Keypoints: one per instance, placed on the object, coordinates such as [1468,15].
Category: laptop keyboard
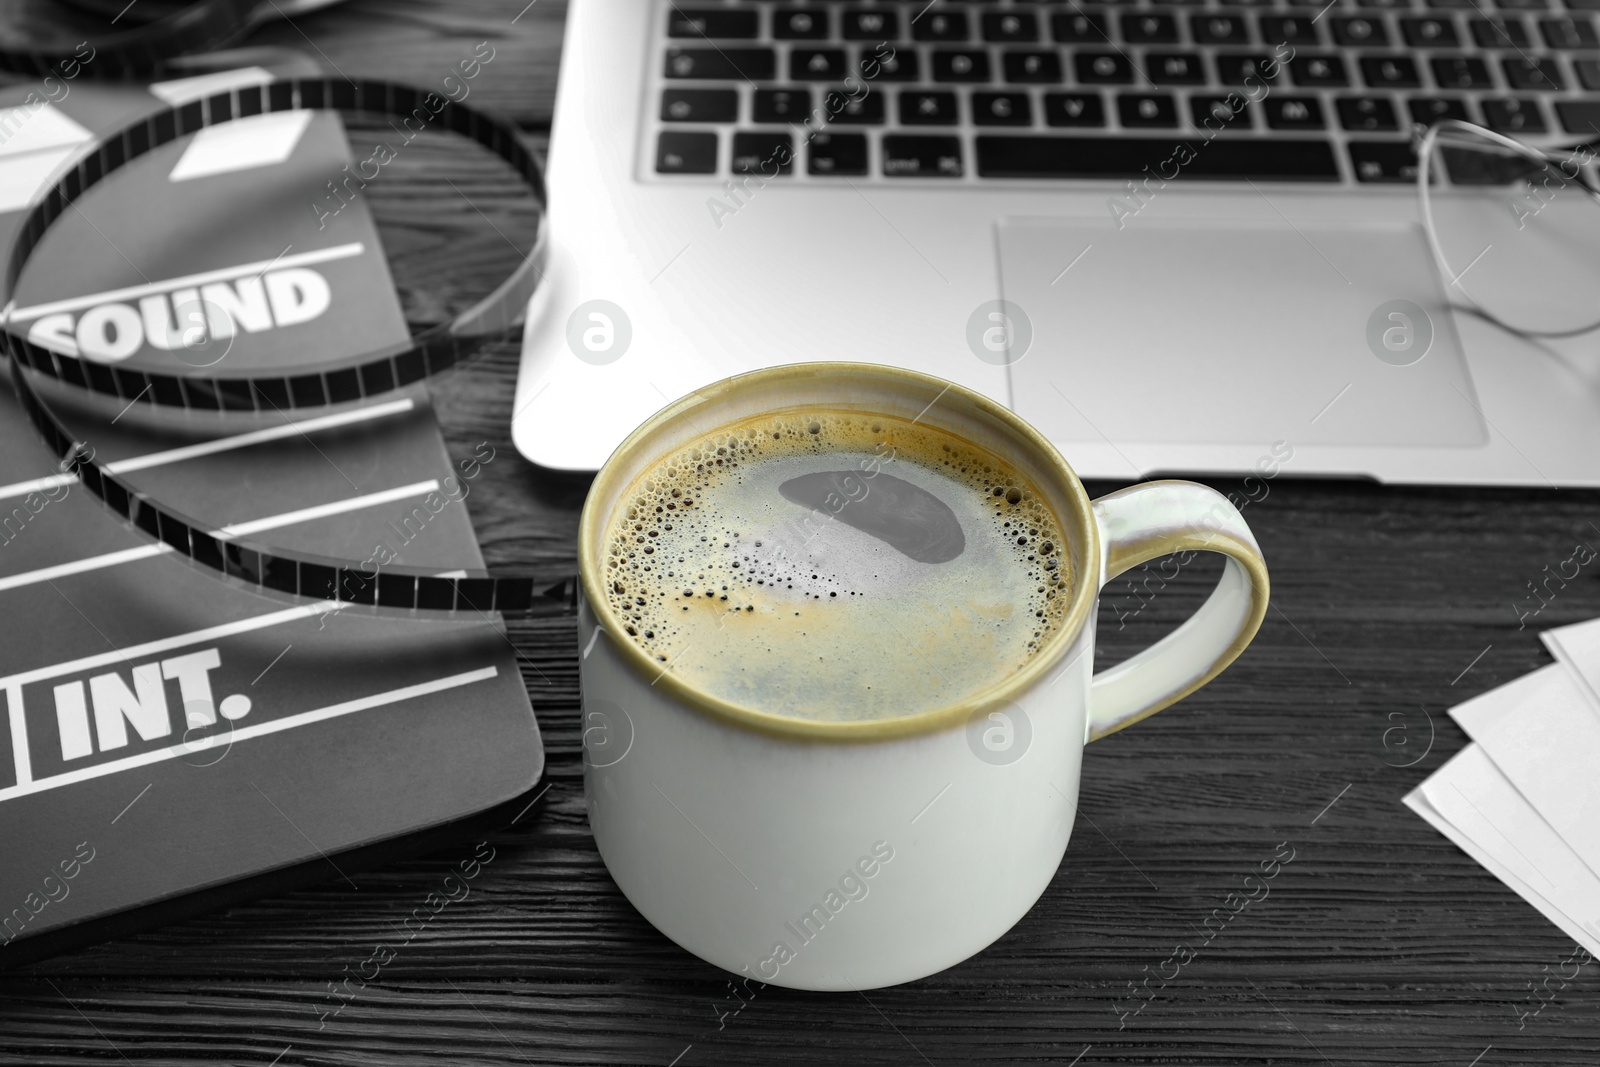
[1260,90]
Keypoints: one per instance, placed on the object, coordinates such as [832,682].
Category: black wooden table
[1380,943]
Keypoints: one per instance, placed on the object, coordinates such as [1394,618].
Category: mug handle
[1153,519]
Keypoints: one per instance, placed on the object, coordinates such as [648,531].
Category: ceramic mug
[848,855]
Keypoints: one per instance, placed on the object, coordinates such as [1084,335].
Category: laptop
[1177,237]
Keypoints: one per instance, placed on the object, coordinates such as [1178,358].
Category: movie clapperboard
[172,740]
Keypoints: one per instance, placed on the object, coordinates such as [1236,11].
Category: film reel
[354,379]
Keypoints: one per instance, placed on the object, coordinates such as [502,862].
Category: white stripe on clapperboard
[225,533]
[12,685]
[221,444]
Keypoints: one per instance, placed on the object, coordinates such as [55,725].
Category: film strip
[264,569]
[358,377]
[141,51]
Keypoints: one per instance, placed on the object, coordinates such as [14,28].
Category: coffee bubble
[832,565]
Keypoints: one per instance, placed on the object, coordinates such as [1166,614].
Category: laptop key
[1010,27]
[951,26]
[1367,32]
[1237,69]
[721,23]
[1383,161]
[1319,72]
[1174,68]
[1032,68]
[850,110]
[1277,29]
[1569,33]
[902,66]
[1461,72]
[961,65]
[722,64]
[766,154]
[1219,29]
[1588,72]
[1002,109]
[681,152]
[1522,5]
[1500,33]
[1149,29]
[800,24]
[1579,116]
[1147,110]
[1513,115]
[817,64]
[1103,68]
[1079,29]
[923,107]
[699,105]
[1438,32]
[781,105]
[1390,72]
[874,25]
[1231,112]
[1366,113]
[1535,72]
[1430,109]
[907,155]
[1074,109]
[1293,112]
[1060,156]
[842,154]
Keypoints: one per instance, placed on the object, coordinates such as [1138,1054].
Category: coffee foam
[758,565]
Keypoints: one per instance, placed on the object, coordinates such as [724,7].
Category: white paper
[1542,734]
[1577,647]
[1588,938]
[1475,716]
[1472,794]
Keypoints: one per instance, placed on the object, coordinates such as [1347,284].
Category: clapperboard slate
[171,740]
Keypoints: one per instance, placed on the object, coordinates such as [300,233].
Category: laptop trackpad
[1234,333]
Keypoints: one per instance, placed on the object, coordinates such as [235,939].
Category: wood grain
[1379,944]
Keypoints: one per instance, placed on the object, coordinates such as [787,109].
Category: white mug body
[819,864]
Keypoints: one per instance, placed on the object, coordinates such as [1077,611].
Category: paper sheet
[1523,800]
[1577,647]
[1545,738]
[1418,803]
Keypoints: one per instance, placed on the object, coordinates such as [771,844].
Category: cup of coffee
[837,644]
